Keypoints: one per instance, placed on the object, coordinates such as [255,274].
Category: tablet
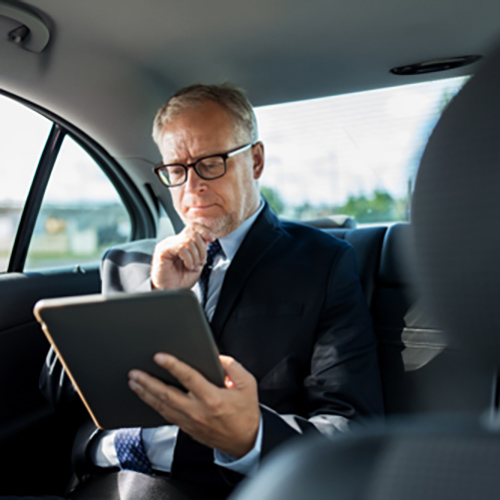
[99,339]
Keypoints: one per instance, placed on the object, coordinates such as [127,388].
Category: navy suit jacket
[291,310]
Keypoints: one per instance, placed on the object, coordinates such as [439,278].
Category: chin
[219,226]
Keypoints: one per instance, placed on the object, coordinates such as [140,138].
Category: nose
[194,182]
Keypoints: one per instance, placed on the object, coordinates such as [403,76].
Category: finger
[170,247]
[205,233]
[197,250]
[187,259]
[163,249]
[193,251]
[170,414]
[153,385]
[162,397]
[237,375]
[190,378]
[201,247]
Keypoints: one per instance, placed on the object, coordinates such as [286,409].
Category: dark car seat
[456,208]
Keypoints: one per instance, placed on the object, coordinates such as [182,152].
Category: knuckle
[165,249]
[185,378]
[192,246]
[156,404]
[182,376]
[164,399]
[214,404]
[160,407]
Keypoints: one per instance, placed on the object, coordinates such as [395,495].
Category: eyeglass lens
[207,168]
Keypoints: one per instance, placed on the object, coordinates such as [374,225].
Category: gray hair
[231,98]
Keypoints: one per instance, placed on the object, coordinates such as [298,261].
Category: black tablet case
[99,339]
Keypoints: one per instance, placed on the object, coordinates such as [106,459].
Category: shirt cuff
[159,443]
[248,464]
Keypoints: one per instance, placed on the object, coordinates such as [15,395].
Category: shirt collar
[232,241]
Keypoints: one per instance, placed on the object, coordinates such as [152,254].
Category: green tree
[273,198]
[380,207]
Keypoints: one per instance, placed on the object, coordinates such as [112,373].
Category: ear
[258,159]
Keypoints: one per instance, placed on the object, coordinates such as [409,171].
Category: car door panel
[29,426]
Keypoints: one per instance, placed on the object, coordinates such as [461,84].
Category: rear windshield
[355,154]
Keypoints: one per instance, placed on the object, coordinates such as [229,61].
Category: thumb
[236,376]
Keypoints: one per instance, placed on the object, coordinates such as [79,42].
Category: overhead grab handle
[33,33]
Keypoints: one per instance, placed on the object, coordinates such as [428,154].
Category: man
[284,303]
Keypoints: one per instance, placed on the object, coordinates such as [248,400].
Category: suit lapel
[262,236]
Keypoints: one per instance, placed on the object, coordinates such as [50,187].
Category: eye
[211,163]
[175,171]
[211,167]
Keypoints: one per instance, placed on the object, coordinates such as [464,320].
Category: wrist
[242,448]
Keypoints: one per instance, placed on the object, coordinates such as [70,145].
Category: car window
[23,134]
[81,213]
[355,154]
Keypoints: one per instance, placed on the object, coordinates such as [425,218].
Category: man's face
[222,204]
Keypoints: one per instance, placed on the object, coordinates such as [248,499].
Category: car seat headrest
[455,212]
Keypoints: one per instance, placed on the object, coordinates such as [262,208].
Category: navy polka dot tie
[213,249]
[130,450]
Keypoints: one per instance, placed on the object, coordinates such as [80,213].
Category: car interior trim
[34,199]
[33,34]
[435,65]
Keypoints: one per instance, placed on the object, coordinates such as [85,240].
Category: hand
[224,418]
[178,260]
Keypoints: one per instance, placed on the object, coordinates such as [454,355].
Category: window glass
[81,214]
[23,134]
[355,154]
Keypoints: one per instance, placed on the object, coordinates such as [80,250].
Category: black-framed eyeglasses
[208,168]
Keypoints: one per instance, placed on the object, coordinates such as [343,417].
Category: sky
[319,151]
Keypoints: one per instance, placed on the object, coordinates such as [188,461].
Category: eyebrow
[179,162]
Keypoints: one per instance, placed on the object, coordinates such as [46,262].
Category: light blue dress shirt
[159,442]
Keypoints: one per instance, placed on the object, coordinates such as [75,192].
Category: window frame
[143,223]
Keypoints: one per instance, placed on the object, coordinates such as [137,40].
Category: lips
[201,209]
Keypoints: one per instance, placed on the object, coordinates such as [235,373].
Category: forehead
[196,131]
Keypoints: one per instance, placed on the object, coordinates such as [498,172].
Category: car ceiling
[110,64]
